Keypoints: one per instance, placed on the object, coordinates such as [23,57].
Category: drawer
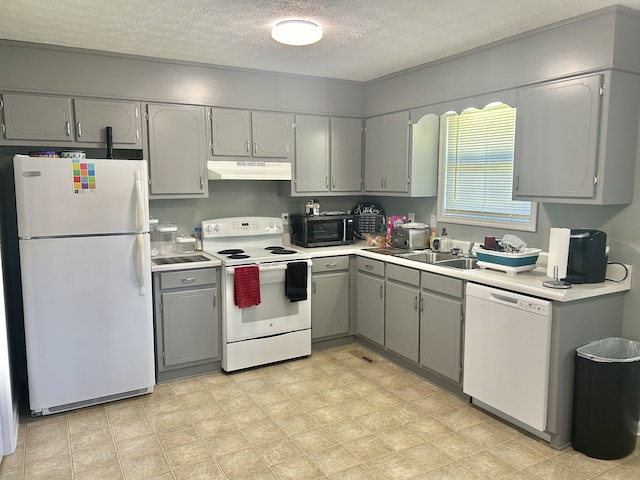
[374,267]
[330,264]
[439,283]
[403,274]
[187,278]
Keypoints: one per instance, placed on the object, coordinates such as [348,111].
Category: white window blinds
[477,169]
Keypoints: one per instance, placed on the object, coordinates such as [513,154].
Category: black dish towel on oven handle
[295,281]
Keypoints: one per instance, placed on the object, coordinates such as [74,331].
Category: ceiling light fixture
[297,32]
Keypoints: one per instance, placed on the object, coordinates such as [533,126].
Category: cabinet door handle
[421,304]
[79,129]
[314,287]
[137,133]
[517,182]
[248,142]
[382,182]
[255,146]
[333,182]
[381,292]
[188,279]
[326,182]
[215,299]
[415,303]
[67,127]
[201,182]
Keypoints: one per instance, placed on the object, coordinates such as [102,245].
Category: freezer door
[53,198]
[88,317]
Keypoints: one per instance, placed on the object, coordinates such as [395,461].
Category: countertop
[529,283]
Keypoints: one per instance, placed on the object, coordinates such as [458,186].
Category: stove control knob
[217,227]
[278,225]
[270,224]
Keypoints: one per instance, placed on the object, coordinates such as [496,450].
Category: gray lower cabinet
[186,317]
[441,309]
[177,150]
[402,317]
[330,297]
[370,286]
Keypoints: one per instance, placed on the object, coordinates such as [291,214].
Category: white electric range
[277,328]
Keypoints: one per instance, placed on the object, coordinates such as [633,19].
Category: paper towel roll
[558,251]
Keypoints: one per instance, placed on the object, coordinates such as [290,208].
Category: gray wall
[606,39]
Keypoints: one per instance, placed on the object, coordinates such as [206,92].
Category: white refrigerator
[83,233]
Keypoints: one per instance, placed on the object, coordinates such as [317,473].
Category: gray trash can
[606,398]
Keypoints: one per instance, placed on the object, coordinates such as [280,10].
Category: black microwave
[321,230]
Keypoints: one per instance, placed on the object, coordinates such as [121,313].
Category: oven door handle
[266,268]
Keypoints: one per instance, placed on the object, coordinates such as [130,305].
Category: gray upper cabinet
[401,154]
[51,120]
[36,118]
[231,132]
[386,161]
[177,151]
[242,133]
[311,153]
[93,116]
[328,155]
[576,140]
[270,131]
[346,155]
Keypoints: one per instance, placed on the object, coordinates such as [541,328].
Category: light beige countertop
[529,283]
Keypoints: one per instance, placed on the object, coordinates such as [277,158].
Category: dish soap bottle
[432,238]
[445,246]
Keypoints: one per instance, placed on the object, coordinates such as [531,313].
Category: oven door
[275,314]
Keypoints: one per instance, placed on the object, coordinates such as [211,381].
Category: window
[476,170]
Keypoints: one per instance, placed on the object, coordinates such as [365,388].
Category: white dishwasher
[507,341]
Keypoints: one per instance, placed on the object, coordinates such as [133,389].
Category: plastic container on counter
[154,237]
[186,243]
[167,233]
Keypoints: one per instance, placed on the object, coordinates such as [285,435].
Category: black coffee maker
[587,261]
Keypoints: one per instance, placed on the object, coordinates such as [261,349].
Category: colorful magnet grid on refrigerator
[84,176]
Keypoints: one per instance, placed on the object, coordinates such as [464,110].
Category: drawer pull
[331,265]
[188,279]
[369,267]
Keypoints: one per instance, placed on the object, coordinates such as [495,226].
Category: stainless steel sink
[464,263]
[427,256]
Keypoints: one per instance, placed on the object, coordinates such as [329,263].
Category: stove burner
[237,256]
[274,248]
[282,251]
[231,251]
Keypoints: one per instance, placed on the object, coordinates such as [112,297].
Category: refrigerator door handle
[138,265]
[139,199]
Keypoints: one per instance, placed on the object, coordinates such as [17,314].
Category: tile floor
[330,416]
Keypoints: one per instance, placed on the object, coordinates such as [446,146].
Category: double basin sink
[443,259]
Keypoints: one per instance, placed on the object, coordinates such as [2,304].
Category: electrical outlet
[411,217]
[285,219]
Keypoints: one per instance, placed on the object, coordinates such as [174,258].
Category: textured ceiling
[363,39]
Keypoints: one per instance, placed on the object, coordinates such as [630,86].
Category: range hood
[248,170]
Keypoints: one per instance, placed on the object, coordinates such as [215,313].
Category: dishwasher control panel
[533,306]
